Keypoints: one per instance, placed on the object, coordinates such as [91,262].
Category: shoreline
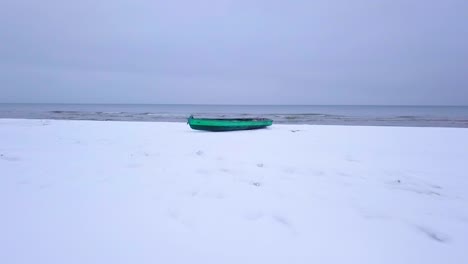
[464,124]
[402,116]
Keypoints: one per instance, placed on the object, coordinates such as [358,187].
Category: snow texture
[129,192]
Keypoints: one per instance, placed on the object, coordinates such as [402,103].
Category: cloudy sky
[234,52]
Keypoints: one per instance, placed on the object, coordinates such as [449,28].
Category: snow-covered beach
[130,192]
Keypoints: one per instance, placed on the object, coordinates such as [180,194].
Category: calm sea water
[434,116]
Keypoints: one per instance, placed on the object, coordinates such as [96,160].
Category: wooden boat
[209,124]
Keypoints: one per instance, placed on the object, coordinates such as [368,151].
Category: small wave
[63,112]
[408,117]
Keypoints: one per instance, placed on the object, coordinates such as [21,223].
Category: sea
[355,115]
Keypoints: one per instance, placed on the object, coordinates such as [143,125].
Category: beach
[157,192]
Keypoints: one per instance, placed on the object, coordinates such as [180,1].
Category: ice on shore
[129,192]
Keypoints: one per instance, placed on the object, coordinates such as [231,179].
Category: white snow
[129,192]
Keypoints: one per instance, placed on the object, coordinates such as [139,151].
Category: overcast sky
[234,52]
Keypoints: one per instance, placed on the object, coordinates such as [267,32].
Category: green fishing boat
[209,124]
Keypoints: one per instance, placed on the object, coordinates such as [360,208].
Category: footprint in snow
[173,214]
[411,187]
[432,234]
[281,220]
[435,186]
[8,158]
[256,184]
[260,165]
[199,153]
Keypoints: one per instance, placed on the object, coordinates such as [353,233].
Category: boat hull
[219,125]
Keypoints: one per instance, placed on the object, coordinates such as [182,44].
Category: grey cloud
[239,52]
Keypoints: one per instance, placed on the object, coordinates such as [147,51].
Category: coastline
[316,120]
[401,116]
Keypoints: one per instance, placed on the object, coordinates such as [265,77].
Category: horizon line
[198,104]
